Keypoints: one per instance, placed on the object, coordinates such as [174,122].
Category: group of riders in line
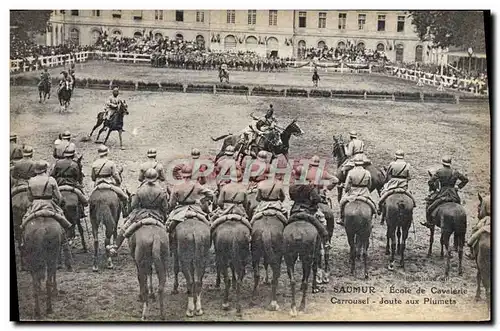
[67,80]
[170,204]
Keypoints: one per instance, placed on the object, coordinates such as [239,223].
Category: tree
[461,29]
[28,22]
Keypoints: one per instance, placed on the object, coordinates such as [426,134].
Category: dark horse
[301,239]
[234,140]
[482,252]
[224,74]
[115,123]
[378,175]
[399,215]
[358,227]
[452,219]
[44,89]
[64,95]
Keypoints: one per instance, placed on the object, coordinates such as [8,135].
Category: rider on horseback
[112,104]
[66,81]
[151,163]
[67,173]
[259,127]
[61,145]
[45,79]
[16,152]
[357,185]
[442,188]
[150,201]
[397,178]
[354,147]
[24,169]
[105,176]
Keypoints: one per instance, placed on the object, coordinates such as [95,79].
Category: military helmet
[152,152]
[70,150]
[66,135]
[315,161]
[150,175]
[102,150]
[262,155]
[359,159]
[13,137]
[399,154]
[27,151]
[446,161]
[353,134]
[195,153]
[41,167]
[229,150]
[186,171]
[297,172]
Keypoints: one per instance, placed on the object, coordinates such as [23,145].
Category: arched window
[399,52]
[380,47]
[94,36]
[341,45]
[361,46]
[229,42]
[301,51]
[75,36]
[419,53]
[138,35]
[272,46]
[179,37]
[200,40]
[321,44]
[158,36]
[251,42]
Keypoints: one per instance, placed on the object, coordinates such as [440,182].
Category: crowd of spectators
[350,54]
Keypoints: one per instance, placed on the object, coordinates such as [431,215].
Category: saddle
[19,189]
[183,212]
[231,217]
[77,191]
[46,213]
[363,199]
[145,221]
[393,191]
[270,208]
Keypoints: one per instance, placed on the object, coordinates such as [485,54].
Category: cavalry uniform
[45,197]
[61,145]
[23,170]
[45,77]
[356,186]
[270,196]
[259,127]
[195,156]
[253,167]
[397,177]
[354,147]
[150,202]
[225,167]
[443,184]
[113,103]
[152,163]
[68,175]
[66,81]
[105,176]
[16,152]
[186,200]
[305,199]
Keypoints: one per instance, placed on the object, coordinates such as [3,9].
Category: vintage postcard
[250,165]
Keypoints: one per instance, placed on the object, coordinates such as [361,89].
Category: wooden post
[215,88]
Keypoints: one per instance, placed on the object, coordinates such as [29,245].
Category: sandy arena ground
[174,123]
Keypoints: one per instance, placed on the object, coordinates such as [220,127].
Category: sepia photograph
[250,165]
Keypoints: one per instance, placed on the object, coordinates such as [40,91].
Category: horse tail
[267,242]
[221,137]
[156,255]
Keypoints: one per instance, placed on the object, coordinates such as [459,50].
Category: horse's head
[294,129]
[338,147]
[123,107]
[484,207]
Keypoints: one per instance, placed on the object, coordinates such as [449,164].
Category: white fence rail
[32,64]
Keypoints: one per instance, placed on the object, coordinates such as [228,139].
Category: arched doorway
[251,42]
[272,46]
[419,53]
[74,35]
[399,52]
[341,45]
[94,36]
[229,42]
[179,37]
[321,44]
[158,36]
[380,47]
[200,40]
[301,50]
[138,35]
[361,46]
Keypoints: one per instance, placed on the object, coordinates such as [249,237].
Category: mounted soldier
[61,145]
[224,167]
[150,201]
[442,188]
[260,127]
[112,104]
[71,72]
[45,81]
[186,199]
[67,172]
[193,163]
[397,178]
[105,175]
[152,163]
[16,151]
[65,82]
[353,148]
[24,169]
[357,185]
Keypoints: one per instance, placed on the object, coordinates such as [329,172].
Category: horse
[149,247]
[301,239]
[64,95]
[224,74]
[482,254]
[377,174]
[358,227]
[191,245]
[399,216]
[43,238]
[19,204]
[115,123]
[267,242]
[44,89]
[234,140]
[323,274]
[231,242]
[104,207]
